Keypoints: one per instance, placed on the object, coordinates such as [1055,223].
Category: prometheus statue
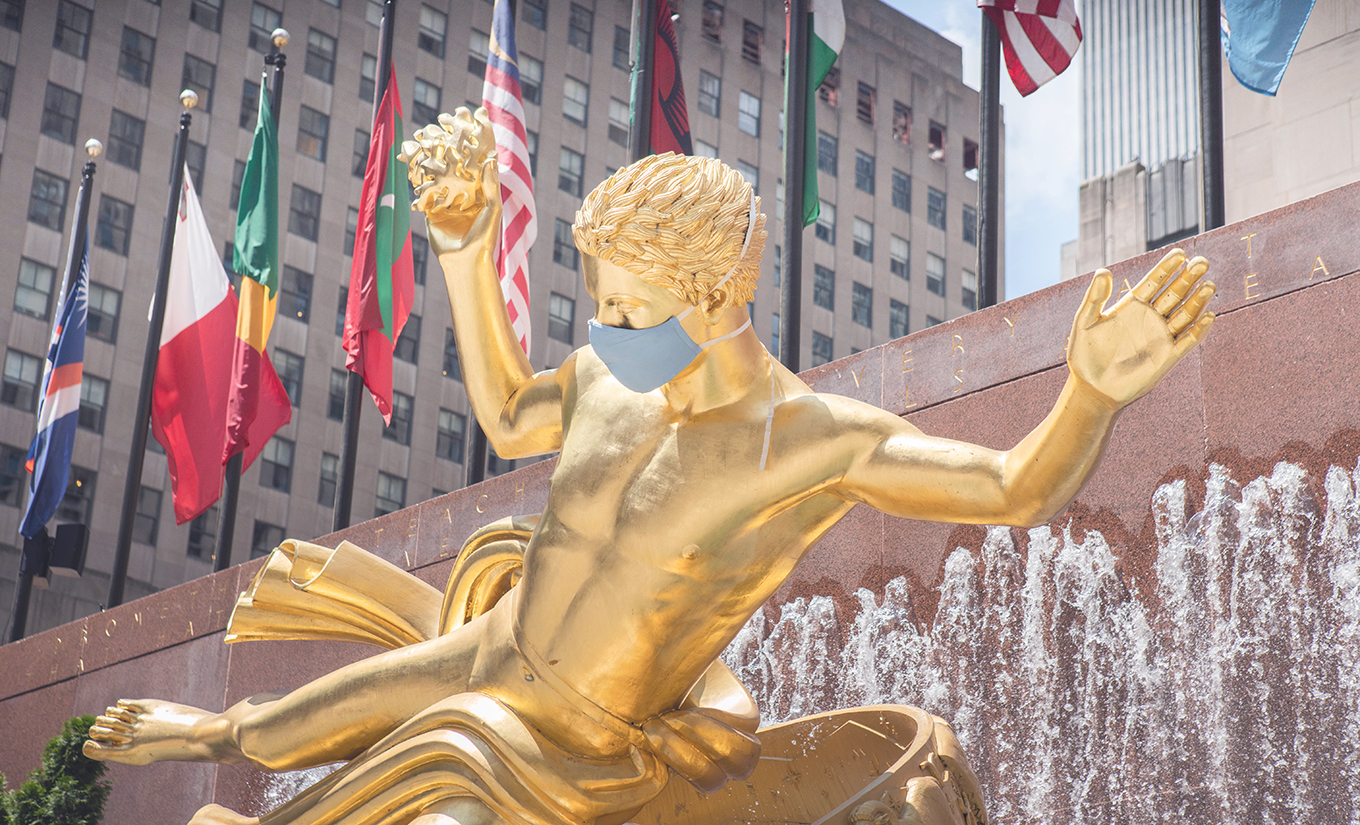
[572,664]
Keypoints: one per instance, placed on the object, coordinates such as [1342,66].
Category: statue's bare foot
[142,731]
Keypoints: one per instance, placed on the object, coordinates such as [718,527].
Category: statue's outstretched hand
[452,165]
[1122,353]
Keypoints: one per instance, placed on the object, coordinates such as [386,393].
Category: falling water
[1229,693]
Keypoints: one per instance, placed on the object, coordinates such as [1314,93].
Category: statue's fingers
[1187,312]
[1194,335]
[1096,296]
[113,723]
[1181,286]
[103,733]
[1153,282]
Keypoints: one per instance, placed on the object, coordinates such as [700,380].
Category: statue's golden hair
[677,222]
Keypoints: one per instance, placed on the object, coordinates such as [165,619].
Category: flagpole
[989,167]
[142,420]
[1211,113]
[354,385]
[30,562]
[795,167]
[231,486]
[645,35]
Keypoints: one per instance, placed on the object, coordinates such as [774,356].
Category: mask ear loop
[745,245]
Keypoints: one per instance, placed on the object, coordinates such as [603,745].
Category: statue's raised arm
[453,169]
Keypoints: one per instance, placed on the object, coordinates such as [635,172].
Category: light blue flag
[1259,37]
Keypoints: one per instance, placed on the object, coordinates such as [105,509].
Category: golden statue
[572,663]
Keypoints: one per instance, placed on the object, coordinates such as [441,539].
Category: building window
[901,122]
[425,102]
[970,284]
[825,230]
[970,225]
[823,287]
[13,476]
[289,366]
[622,60]
[864,102]
[830,90]
[340,311]
[199,75]
[449,441]
[6,88]
[368,77]
[479,51]
[295,294]
[73,29]
[335,398]
[47,200]
[33,294]
[899,325]
[276,464]
[536,13]
[751,37]
[407,347]
[203,533]
[451,366]
[564,246]
[618,121]
[899,257]
[579,26]
[420,255]
[703,149]
[61,111]
[935,274]
[575,99]
[264,537]
[864,172]
[102,320]
[821,349]
[196,157]
[250,104]
[778,264]
[314,129]
[935,207]
[531,78]
[931,321]
[136,56]
[495,465]
[146,523]
[434,25]
[901,190]
[358,162]
[774,335]
[330,477]
[935,146]
[238,175]
[351,229]
[827,153]
[970,159]
[19,386]
[94,400]
[532,146]
[862,305]
[75,504]
[206,13]
[570,170]
[263,21]
[712,20]
[710,93]
[114,224]
[561,318]
[399,430]
[750,174]
[864,240]
[304,210]
[320,62]
[391,494]
[124,146]
[748,113]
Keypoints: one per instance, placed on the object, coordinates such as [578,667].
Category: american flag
[1038,37]
[504,104]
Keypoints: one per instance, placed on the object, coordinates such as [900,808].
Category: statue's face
[622,299]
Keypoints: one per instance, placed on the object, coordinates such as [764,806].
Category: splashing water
[1230,693]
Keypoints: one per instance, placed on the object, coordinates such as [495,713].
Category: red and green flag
[382,279]
[824,44]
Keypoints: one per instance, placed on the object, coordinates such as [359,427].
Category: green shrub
[67,789]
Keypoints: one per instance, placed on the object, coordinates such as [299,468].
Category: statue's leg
[328,720]
[460,811]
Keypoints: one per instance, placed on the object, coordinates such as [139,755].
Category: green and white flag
[824,45]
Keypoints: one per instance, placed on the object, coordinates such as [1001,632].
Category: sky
[1043,149]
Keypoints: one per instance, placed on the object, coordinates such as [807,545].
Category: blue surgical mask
[644,359]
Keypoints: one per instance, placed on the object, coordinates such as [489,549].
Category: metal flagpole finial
[94,147]
[188,98]
[280,38]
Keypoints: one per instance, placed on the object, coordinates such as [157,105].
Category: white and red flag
[504,102]
[1038,38]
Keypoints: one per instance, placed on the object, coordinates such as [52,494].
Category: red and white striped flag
[1038,37]
[504,102]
